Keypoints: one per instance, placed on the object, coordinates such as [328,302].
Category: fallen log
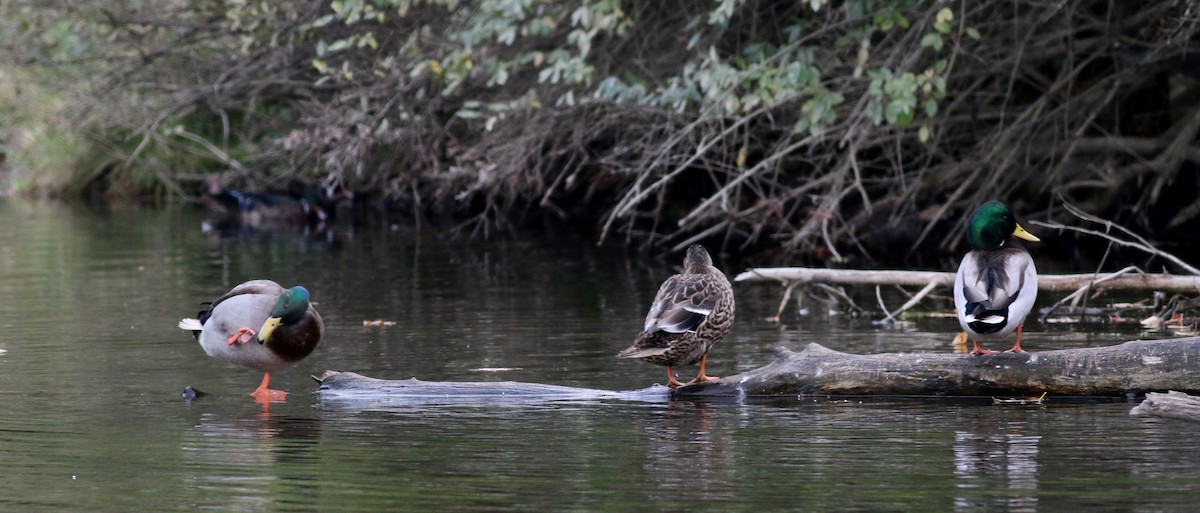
[357,391]
[1051,282]
[1173,404]
[1135,367]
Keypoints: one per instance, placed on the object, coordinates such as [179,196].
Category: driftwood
[1135,367]
[1173,404]
[1051,282]
[1130,368]
[358,391]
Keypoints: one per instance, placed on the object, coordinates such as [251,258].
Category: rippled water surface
[92,368]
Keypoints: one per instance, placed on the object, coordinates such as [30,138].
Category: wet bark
[1134,367]
[1173,404]
[358,391]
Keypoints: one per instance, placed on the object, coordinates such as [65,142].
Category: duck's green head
[289,309]
[992,224]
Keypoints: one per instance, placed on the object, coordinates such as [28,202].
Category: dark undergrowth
[855,133]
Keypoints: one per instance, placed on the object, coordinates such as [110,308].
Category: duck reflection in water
[683,438]
[310,211]
[249,462]
[981,457]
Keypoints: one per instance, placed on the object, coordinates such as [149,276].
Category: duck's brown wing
[683,303]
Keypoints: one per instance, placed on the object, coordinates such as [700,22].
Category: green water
[91,417]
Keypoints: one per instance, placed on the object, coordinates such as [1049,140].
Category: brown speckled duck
[290,329]
[690,314]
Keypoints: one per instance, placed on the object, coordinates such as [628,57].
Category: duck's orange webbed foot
[265,393]
[671,381]
[980,350]
[1016,348]
[703,379]
[241,336]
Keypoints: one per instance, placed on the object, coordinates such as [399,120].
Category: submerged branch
[1173,405]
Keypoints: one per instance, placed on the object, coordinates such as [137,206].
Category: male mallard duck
[271,209]
[690,314]
[996,283]
[290,328]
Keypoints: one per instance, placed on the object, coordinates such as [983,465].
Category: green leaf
[945,15]
[875,110]
[973,33]
[923,133]
[932,40]
[899,113]
[801,125]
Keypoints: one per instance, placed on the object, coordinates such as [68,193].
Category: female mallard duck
[996,283]
[690,314]
[290,328]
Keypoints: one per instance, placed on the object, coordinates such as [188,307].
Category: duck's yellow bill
[268,327]
[1020,233]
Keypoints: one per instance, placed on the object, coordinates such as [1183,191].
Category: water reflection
[251,463]
[91,418]
[688,455]
[997,456]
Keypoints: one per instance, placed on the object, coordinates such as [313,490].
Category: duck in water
[289,329]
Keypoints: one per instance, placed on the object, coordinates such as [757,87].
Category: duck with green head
[996,283]
[289,329]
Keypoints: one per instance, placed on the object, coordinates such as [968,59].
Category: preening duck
[289,329]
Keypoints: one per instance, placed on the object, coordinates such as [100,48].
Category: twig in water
[879,297]
[1141,243]
[787,294]
[837,294]
[1084,289]
[912,301]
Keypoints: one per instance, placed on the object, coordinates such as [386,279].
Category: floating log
[1173,404]
[1051,282]
[1135,367]
[358,391]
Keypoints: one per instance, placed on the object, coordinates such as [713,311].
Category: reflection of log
[1054,282]
[1133,367]
[356,390]
[1173,404]
[1139,366]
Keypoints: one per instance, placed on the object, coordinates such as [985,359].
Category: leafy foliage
[801,125]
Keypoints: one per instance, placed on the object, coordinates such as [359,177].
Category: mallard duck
[290,329]
[996,283]
[689,315]
[266,210]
